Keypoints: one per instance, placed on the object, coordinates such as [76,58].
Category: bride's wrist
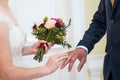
[47,70]
[27,50]
[31,50]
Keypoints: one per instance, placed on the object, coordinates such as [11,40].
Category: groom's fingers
[72,61]
[65,62]
[82,62]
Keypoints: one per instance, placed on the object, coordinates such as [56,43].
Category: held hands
[79,54]
[54,62]
[62,59]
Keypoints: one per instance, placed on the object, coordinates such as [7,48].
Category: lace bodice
[16,40]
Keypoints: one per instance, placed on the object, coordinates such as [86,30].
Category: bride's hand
[36,46]
[54,62]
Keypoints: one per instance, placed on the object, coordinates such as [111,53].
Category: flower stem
[47,39]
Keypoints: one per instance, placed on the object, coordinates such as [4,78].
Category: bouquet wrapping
[52,30]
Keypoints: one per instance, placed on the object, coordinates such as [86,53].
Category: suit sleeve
[97,28]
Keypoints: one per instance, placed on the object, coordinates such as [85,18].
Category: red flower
[59,22]
[42,25]
[35,26]
[42,45]
[57,25]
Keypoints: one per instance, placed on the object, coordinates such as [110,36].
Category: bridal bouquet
[51,30]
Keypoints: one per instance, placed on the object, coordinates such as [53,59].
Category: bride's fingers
[49,45]
[37,44]
[42,41]
[59,55]
[61,60]
[46,48]
[62,57]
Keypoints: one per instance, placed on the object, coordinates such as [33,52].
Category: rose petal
[50,24]
[56,19]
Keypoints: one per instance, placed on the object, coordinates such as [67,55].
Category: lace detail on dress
[16,39]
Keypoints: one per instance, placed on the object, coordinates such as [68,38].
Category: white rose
[50,24]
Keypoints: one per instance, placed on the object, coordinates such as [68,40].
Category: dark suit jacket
[106,20]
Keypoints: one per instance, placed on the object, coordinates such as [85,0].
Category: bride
[12,40]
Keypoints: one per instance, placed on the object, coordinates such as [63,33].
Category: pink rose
[50,24]
[59,22]
[56,19]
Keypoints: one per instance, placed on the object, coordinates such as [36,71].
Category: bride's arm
[10,72]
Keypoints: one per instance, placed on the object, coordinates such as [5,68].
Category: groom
[105,20]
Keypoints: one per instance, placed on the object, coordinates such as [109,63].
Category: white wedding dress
[17,39]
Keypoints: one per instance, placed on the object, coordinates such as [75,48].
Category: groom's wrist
[83,47]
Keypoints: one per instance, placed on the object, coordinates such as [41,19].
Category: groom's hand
[79,54]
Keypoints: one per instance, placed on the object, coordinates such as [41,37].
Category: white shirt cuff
[85,48]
